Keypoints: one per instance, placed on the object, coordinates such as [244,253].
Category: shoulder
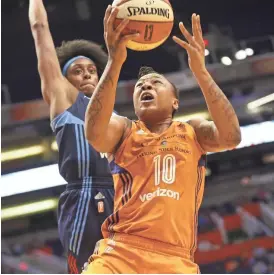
[121,121]
[192,125]
[196,122]
[59,95]
[119,118]
[122,125]
[202,126]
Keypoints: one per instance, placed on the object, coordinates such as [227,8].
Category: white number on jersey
[168,172]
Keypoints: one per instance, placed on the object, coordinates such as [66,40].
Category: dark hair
[149,70]
[70,49]
[145,70]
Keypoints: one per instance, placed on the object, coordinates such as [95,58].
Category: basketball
[153,19]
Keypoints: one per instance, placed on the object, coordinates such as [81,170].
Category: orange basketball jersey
[159,182]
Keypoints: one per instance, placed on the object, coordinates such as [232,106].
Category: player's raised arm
[52,80]
[102,129]
[224,132]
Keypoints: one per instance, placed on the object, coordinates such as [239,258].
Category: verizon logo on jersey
[160,193]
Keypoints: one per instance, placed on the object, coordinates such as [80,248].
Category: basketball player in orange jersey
[158,164]
[69,75]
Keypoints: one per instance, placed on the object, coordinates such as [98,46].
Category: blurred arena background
[236,220]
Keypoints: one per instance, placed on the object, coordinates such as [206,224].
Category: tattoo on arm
[226,115]
[208,135]
[215,92]
[96,104]
[234,135]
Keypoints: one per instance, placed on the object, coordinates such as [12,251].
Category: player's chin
[147,111]
[88,92]
[147,108]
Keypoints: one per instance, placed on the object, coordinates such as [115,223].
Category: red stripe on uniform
[125,182]
[72,264]
[197,189]
[112,220]
[130,179]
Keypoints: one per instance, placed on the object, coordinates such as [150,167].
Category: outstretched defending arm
[224,132]
[104,130]
[55,87]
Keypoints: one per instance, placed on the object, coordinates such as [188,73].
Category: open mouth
[145,97]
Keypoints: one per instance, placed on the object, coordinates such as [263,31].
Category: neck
[159,126]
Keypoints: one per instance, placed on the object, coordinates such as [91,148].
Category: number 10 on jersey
[165,169]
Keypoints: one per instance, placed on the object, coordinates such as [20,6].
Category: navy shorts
[81,212]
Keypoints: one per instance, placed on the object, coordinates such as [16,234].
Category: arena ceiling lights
[22,153]
[54,146]
[261,101]
[28,209]
[34,179]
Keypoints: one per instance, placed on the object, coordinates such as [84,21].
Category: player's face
[154,97]
[83,75]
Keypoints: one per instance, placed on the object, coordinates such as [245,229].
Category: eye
[157,81]
[78,71]
[92,71]
[139,84]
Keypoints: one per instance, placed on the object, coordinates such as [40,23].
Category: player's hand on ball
[115,41]
[195,47]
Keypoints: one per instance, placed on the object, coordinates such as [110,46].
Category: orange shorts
[124,253]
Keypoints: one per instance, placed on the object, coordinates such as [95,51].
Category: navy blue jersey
[78,161]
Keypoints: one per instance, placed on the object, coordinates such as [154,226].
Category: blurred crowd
[261,262]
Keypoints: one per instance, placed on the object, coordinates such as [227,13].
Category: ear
[175,104]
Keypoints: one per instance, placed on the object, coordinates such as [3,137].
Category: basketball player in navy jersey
[69,76]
